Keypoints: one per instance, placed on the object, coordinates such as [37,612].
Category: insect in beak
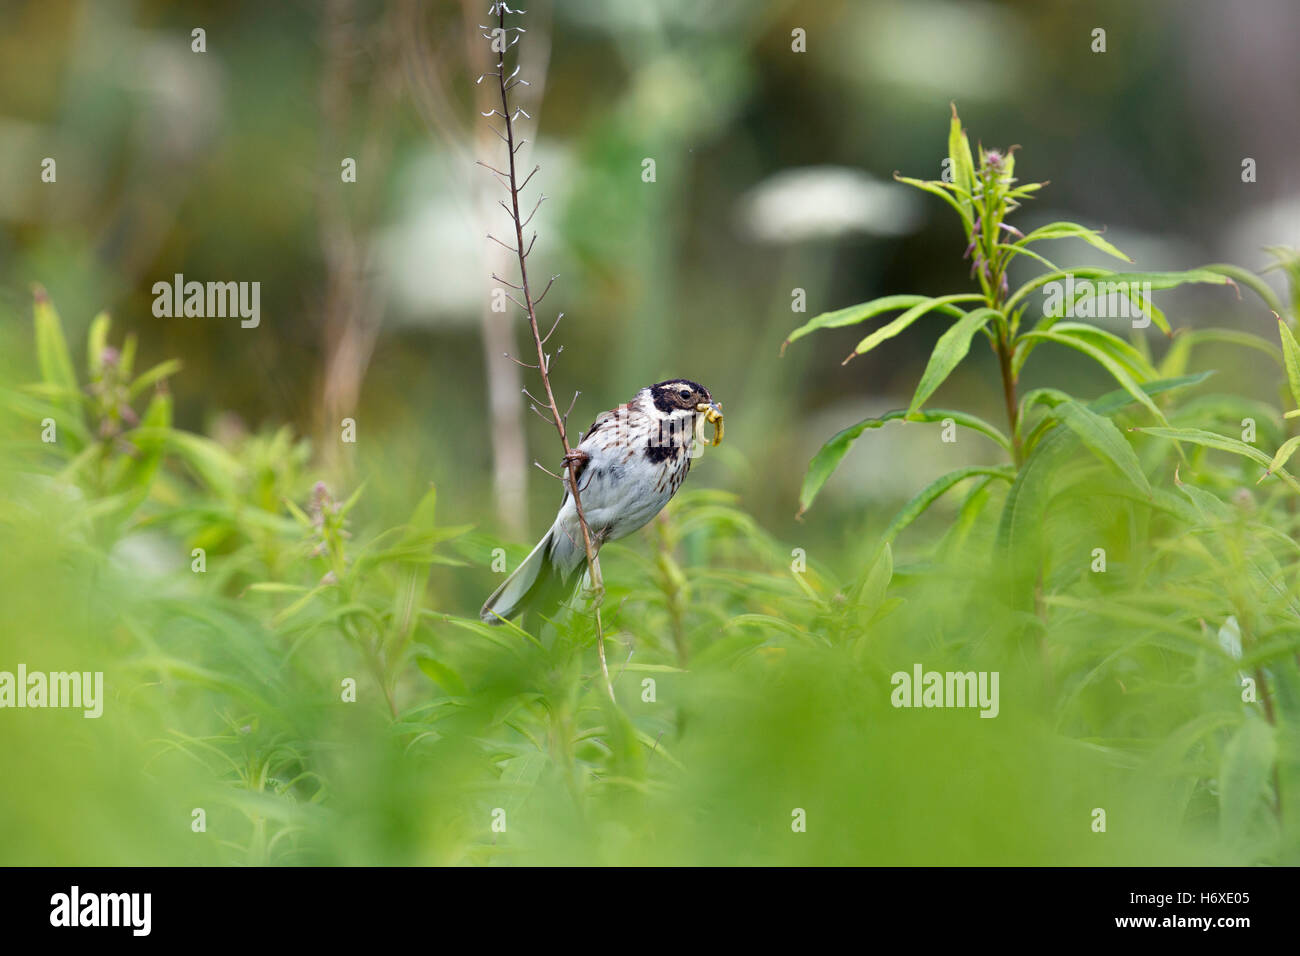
[712,412]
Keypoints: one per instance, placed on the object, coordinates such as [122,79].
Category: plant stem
[543,365]
[1009,395]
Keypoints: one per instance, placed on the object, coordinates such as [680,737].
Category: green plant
[296,663]
[1202,587]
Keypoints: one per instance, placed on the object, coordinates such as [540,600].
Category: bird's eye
[686,393]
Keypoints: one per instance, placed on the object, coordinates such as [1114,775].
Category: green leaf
[1251,281]
[1244,772]
[1286,688]
[1120,301]
[352,499]
[889,330]
[414,573]
[216,467]
[937,189]
[854,314]
[96,340]
[1287,260]
[1283,455]
[1020,192]
[1113,401]
[1084,272]
[1157,280]
[276,587]
[154,375]
[1291,356]
[951,348]
[1013,251]
[442,675]
[127,361]
[1105,361]
[934,490]
[1170,280]
[422,518]
[959,155]
[52,351]
[1020,527]
[874,582]
[1114,346]
[1175,360]
[650,668]
[1072,230]
[1104,439]
[1220,443]
[133,475]
[829,456]
[1051,397]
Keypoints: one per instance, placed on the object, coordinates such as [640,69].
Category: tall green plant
[984,195]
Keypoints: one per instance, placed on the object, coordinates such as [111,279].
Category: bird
[628,465]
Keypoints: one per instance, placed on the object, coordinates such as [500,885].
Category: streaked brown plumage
[632,460]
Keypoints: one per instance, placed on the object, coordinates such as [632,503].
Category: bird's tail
[543,582]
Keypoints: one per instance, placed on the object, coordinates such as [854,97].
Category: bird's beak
[712,413]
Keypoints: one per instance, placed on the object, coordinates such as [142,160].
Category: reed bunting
[630,462]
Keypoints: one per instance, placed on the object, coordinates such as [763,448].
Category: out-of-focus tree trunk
[433,73]
[354,302]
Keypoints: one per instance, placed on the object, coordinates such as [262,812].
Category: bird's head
[684,400]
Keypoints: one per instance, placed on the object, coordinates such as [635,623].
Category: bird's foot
[577,458]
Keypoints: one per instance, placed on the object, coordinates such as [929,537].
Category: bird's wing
[603,420]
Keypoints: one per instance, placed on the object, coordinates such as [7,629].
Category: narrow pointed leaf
[828,458]
[52,352]
[1117,370]
[1105,440]
[1072,230]
[934,490]
[96,340]
[959,155]
[937,190]
[1283,454]
[1291,357]
[155,375]
[940,304]
[854,314]
[1206,439]
[951,348]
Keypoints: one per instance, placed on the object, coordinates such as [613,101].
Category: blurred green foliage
[324,562]
[297,681]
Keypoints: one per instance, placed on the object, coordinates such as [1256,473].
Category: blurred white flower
[826,201]
[1274,224]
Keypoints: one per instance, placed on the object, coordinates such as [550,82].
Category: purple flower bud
[109,356]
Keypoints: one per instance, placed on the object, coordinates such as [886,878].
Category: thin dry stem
[543,362]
